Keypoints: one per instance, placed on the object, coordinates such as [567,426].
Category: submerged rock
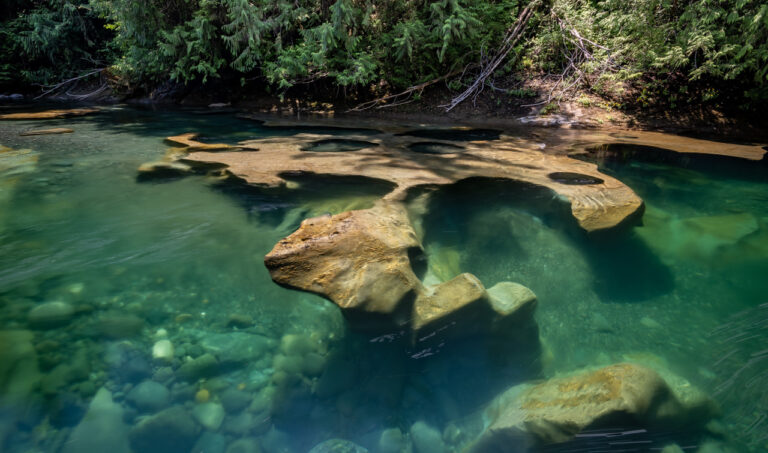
[246,445]
[202,367]
[392,440]
[459,304]
[163,350]
[170,431]
[560,408]
[210,415]
[102,428]
[236,347]
[50,314]
[149,396]
[53,131]
[361,260]
[19,373]
[427,439]
[337,446]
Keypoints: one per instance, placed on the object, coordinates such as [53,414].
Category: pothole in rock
[337,145]
[435,148]
[576,179]
[459,135]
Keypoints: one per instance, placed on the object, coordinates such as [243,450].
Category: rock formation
[554,411]
[48,114]
[361,261]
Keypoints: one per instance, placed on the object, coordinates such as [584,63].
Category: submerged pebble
[149,396]
[427,439]
[163,350]
[50,314]
[210,415]
[170,431]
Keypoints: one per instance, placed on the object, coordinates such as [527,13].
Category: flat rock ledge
[624,394]
[361,261]
[601,203]
[48,114]
[53,131]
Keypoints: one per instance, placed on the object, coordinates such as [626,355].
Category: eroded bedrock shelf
[396,159]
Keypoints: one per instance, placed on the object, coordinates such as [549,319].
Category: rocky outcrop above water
[361,261]
[558,409]
[357,259]
[48,114]
[390,157]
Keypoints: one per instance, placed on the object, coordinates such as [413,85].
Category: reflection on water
[138,316]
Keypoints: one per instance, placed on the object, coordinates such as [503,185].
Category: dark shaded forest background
[642,52]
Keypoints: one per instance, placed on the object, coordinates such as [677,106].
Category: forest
[637,52]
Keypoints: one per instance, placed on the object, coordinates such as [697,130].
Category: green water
[182,260]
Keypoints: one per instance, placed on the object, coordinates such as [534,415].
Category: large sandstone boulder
[357,259]
[361,261]
[556,410]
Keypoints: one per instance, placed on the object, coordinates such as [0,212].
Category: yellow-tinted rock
[556,410]
[460,305]
[48,114]
[357,259]
[54,131]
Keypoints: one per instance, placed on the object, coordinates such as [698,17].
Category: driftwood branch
[403,97]
[581,51]
[513,36]
[66,83]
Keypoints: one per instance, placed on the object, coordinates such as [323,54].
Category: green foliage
[45,41]
[638,47]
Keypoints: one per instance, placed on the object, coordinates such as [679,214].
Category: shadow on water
[308,195]
[498,223]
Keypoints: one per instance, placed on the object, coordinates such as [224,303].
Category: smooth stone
[76,369]
[246,445]
[163,350]
[149,396]
[51,314]
[171,431]
[357,259]
[48,114]
[210,443]
[201,367]
[276,441]
[240,321]
[427,439]
[338,446]
[52,131]
[313,364]
[558,409]
[392,440]
[235,400]
[118,326]
[508,298]
[102,428]
[210,415]
[236,347]
[19,372]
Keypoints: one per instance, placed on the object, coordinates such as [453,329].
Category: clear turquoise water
[688,289]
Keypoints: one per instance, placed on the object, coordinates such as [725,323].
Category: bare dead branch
[403,97]
[67,82]
[488,69]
